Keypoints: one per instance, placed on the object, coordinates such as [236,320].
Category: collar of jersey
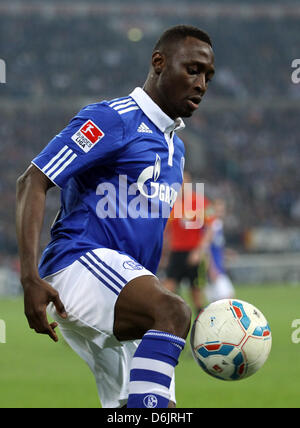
[164,123]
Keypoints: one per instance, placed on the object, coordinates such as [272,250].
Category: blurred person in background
[219,284]
[186,247]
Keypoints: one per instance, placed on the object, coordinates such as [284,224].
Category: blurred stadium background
[243,143]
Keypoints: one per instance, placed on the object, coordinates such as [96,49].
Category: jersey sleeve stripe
[57,156]
[60,161]
[128,109]
[119,107]
[64,166]
[123,101]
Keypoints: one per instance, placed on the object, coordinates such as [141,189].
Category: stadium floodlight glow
[135,34]
[2,71]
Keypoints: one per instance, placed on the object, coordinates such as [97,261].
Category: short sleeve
[93,136]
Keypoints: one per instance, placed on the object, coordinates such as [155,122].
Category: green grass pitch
[38,373]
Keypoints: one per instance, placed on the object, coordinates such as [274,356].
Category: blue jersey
[119,165]
[217,246]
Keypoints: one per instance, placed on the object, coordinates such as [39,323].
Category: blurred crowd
[247,136]
[95,55]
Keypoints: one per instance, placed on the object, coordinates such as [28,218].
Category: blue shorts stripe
[99,277]
[103,272]
[150,376]
[109,268]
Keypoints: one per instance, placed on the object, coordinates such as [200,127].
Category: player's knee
[174,315]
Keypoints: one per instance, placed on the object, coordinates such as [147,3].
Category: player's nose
[200,84]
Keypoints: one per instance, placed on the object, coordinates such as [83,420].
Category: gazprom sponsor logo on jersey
[140,199]
[87,136]
[150,176]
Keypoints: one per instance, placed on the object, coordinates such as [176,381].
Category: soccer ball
[231,339]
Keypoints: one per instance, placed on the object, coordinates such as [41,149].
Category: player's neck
[151,90]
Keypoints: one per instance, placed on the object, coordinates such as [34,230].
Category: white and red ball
[231,339]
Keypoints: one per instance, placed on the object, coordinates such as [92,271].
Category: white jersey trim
[58,163]
[127,110]
[123,101]
[124,106]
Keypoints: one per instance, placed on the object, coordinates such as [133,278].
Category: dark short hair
[181,32]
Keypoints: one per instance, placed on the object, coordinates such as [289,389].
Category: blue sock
[152,369]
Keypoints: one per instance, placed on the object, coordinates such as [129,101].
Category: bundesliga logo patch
[87,136]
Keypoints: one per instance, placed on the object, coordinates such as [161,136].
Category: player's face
[184,77]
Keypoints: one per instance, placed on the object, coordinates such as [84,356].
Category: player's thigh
[144,304]
[170,284]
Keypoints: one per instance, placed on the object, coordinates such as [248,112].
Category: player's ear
[158,61]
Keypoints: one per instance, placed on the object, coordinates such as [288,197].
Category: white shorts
[89,289]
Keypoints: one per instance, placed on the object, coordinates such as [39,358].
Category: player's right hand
[37,295]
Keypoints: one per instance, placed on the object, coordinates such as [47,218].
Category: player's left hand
[37,295]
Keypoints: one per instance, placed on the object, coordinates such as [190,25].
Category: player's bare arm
[32,188]
[198,254]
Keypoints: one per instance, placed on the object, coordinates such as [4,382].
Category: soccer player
[187,238]
[219,284]
[117,164]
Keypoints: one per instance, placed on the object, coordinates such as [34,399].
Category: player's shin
[152,370]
